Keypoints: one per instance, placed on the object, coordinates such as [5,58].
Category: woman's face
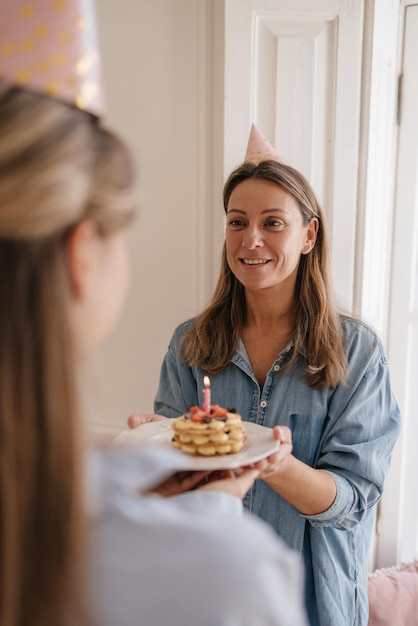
[265,235]
[99,271]
[113,282]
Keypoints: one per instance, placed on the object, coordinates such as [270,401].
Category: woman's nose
[252,238]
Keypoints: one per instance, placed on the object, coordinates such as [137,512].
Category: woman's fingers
[178,483]
[273,462]
[283,434]
[138,420]
[233,483]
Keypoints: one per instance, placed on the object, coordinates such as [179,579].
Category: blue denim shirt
[348,431]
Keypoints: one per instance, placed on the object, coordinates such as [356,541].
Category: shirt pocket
[306,435]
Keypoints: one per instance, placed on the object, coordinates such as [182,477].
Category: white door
[294,68]
[398,536]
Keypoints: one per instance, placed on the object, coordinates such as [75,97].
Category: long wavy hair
[58,166]
[211,340]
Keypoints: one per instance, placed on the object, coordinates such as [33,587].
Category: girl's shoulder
[182,329]
[361,336]
[353,325]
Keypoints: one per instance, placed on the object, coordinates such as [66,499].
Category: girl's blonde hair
[212,338]
[58,166]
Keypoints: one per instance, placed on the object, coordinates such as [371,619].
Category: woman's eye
[235,223]
[274,223]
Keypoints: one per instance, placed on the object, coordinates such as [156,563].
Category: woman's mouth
[254,261]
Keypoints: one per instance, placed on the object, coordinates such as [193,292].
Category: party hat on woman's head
[50,47]
[259,148]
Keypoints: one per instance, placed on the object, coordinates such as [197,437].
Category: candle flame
[206,381]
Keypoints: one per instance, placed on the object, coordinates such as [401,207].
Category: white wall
[158,78]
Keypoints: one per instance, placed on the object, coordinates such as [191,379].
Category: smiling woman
[266,234]
[280,351]
[300,258]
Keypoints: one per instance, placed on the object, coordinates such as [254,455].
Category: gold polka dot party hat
[50,47]
[259,148]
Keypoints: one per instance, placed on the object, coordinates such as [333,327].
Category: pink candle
[206,395]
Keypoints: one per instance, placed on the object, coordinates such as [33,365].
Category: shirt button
[263,404]
[276,368]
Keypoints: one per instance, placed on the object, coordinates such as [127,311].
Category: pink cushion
[393,595]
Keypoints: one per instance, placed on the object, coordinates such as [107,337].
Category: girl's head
[66,193]
[314,257]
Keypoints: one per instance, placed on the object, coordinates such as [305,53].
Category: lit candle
[206,395]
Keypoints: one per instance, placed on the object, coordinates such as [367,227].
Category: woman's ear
[81,256]
[311,235]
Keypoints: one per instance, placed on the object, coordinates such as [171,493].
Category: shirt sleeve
[223,503]
[278,594]
[191,559]
[357,444]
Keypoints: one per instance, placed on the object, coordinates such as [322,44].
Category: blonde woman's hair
[58,166]
[211,340]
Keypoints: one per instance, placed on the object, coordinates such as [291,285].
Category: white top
[194,559]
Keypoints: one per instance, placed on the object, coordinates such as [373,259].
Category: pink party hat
[50,47]
[259,148]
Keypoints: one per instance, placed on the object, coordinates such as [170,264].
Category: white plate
[260,444]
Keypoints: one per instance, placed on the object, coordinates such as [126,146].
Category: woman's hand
[221,481]
[309,490]
[137,420]
[180,482]
[274,463]
[234,483]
